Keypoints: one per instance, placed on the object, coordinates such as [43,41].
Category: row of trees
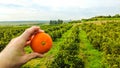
[68,55]
[7,33]
[106,38]
[53,22]
[57,31]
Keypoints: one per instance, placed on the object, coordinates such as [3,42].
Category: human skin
[13,55]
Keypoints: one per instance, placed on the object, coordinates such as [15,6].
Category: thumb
[30,56]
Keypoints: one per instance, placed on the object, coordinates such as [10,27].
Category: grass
[91,56]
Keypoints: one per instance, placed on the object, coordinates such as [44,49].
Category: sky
[17,10]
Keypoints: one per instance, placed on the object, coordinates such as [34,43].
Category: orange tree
[106,38]
[68,55]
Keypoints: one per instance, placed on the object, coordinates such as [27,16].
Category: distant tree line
[101,17]
[52,22]
[75,21]
[109,16]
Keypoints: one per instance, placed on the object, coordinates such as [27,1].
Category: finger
[28,32]
[27,43]
[28,57]
[29,40]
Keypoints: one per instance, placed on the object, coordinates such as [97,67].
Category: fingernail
[41,30]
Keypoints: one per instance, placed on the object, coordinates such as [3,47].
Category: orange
[41,43]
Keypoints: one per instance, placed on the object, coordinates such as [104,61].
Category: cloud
[56,4]
[56,9]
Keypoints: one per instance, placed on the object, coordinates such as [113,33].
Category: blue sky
[12,10]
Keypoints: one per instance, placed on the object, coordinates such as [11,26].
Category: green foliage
[106,38]
[75,21]
[57,31]
[68,56]
[7,33]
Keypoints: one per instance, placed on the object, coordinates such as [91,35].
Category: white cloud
[20,14]
[76,3]
[16,2]
[54,9]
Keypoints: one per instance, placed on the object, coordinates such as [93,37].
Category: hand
[13,56]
